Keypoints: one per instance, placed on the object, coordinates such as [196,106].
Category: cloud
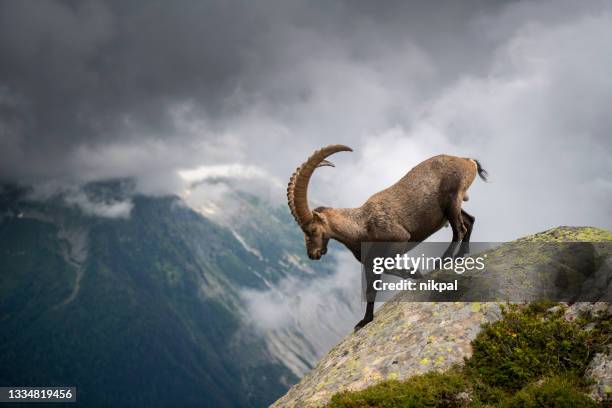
[302,319]
[112,209]
[89,202]
[538,121]
[93,91]
[222,171]
[215,82]
[211,190]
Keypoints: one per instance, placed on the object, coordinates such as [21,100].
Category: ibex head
[313,223]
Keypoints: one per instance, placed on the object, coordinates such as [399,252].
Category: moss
[571,234]
[532,357]
[427,390]
[555,392]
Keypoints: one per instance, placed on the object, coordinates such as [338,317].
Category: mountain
[150,308]
[313,305]
[409,338]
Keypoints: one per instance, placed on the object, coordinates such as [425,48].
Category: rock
[596,310]
[409,338]
[600,372]
[404,339]
[463,397]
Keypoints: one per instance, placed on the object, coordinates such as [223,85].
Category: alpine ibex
[418,205]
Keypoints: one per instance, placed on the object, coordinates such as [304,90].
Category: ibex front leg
[370,294]
[394,233]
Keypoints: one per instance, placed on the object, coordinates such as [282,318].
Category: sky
[173,93]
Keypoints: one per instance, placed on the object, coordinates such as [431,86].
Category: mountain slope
[143,310]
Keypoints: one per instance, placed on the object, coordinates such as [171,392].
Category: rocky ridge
[409,338]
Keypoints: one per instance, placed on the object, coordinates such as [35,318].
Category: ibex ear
[317,216]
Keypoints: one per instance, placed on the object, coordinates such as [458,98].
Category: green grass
[554,392]
[428,390]
[532,357]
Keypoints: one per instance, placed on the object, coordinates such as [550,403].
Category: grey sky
[93,90]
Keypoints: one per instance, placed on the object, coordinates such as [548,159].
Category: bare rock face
[410,338]
[599,370]
[404,339]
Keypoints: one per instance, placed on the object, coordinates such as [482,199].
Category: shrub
[555,392]
[430,390]
[526,345]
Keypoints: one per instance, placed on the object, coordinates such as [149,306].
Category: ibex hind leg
[453,214]
[468,222]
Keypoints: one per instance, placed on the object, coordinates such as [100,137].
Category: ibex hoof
[361,324]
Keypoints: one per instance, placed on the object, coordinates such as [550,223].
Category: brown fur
[412,209]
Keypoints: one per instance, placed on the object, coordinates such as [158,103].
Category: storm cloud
[166,91]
